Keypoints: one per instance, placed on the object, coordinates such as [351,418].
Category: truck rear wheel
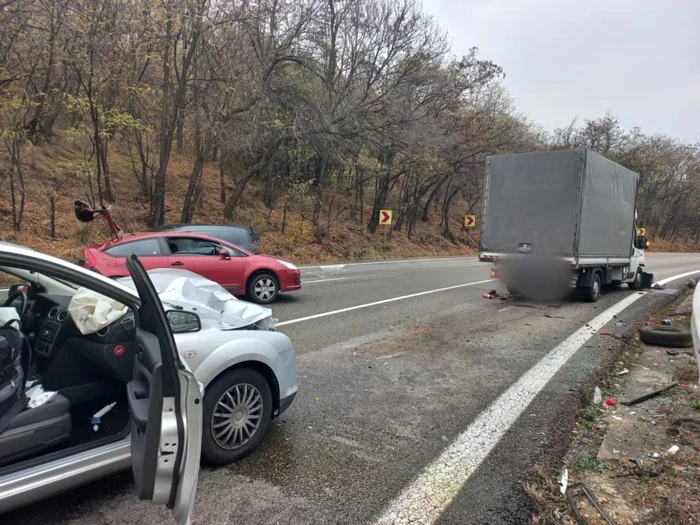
[591,293]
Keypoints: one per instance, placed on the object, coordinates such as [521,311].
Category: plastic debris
[623,372]
[597,396]
[656,455]
[96,420]
[611,402]
[37,396]
[564,481]
[666,322]
[673,449]
[679,468]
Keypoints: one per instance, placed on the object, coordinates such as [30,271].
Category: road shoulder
[636,463]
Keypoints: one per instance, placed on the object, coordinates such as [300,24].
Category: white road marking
[376,303]
[324,280]
[399,261]
[669,279]
[424,500]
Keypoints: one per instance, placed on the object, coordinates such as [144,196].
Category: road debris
[648,396]
[623,372]
[597,396]
[666,322]
[564,481]
[495,294]
[611,402]
[673,449]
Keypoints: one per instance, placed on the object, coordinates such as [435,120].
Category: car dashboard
[50,328]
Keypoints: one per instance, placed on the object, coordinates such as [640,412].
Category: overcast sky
[639,59]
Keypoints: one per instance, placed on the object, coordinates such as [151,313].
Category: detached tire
[667,336]
[237,412]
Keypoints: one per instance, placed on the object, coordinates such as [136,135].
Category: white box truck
[558,220]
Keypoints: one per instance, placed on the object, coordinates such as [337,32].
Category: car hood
[192,292]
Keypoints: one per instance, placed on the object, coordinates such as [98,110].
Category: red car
[261,277]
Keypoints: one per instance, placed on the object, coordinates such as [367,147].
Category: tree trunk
[52,207]
[262,162]
[195,183]
[379,200]
[446,212]
[222,179]
[16,170]
[170,115]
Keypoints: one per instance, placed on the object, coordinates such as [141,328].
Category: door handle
[177,263]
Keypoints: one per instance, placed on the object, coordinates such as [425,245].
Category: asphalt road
[389,380]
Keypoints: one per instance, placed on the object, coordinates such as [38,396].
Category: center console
[46,337]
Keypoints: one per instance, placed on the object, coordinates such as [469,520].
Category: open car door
[165,401]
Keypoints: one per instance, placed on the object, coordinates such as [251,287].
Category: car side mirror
[225,254]
[642,242]
[182,322]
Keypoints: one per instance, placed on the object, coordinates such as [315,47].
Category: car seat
[36,429]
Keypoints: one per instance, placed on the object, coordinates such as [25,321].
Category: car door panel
[225,271]
[165,403]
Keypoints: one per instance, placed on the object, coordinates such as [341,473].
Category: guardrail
[695,325]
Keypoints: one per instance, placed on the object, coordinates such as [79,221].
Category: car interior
[88,373]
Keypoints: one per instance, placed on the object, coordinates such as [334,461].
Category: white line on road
[376,303]
[424,500]
[669,279]
[325,280]
[399,261]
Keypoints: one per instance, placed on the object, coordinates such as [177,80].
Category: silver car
[114,359]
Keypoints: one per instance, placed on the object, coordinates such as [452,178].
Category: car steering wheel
[19,294]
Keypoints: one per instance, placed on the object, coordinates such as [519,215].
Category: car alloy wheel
[237,416]
[238,407]
[263,288]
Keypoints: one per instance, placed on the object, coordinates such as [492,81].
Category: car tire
[592,293]
[637,283]
[230,391]
[263,288]
[667,336]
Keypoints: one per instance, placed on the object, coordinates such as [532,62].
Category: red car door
[205,257]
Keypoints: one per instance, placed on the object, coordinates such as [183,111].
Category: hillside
[59,164]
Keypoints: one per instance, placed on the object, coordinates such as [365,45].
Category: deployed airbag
[92,311]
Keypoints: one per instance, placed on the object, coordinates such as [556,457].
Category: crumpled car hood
[192,292]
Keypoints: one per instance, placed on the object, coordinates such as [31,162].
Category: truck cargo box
[570,203]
